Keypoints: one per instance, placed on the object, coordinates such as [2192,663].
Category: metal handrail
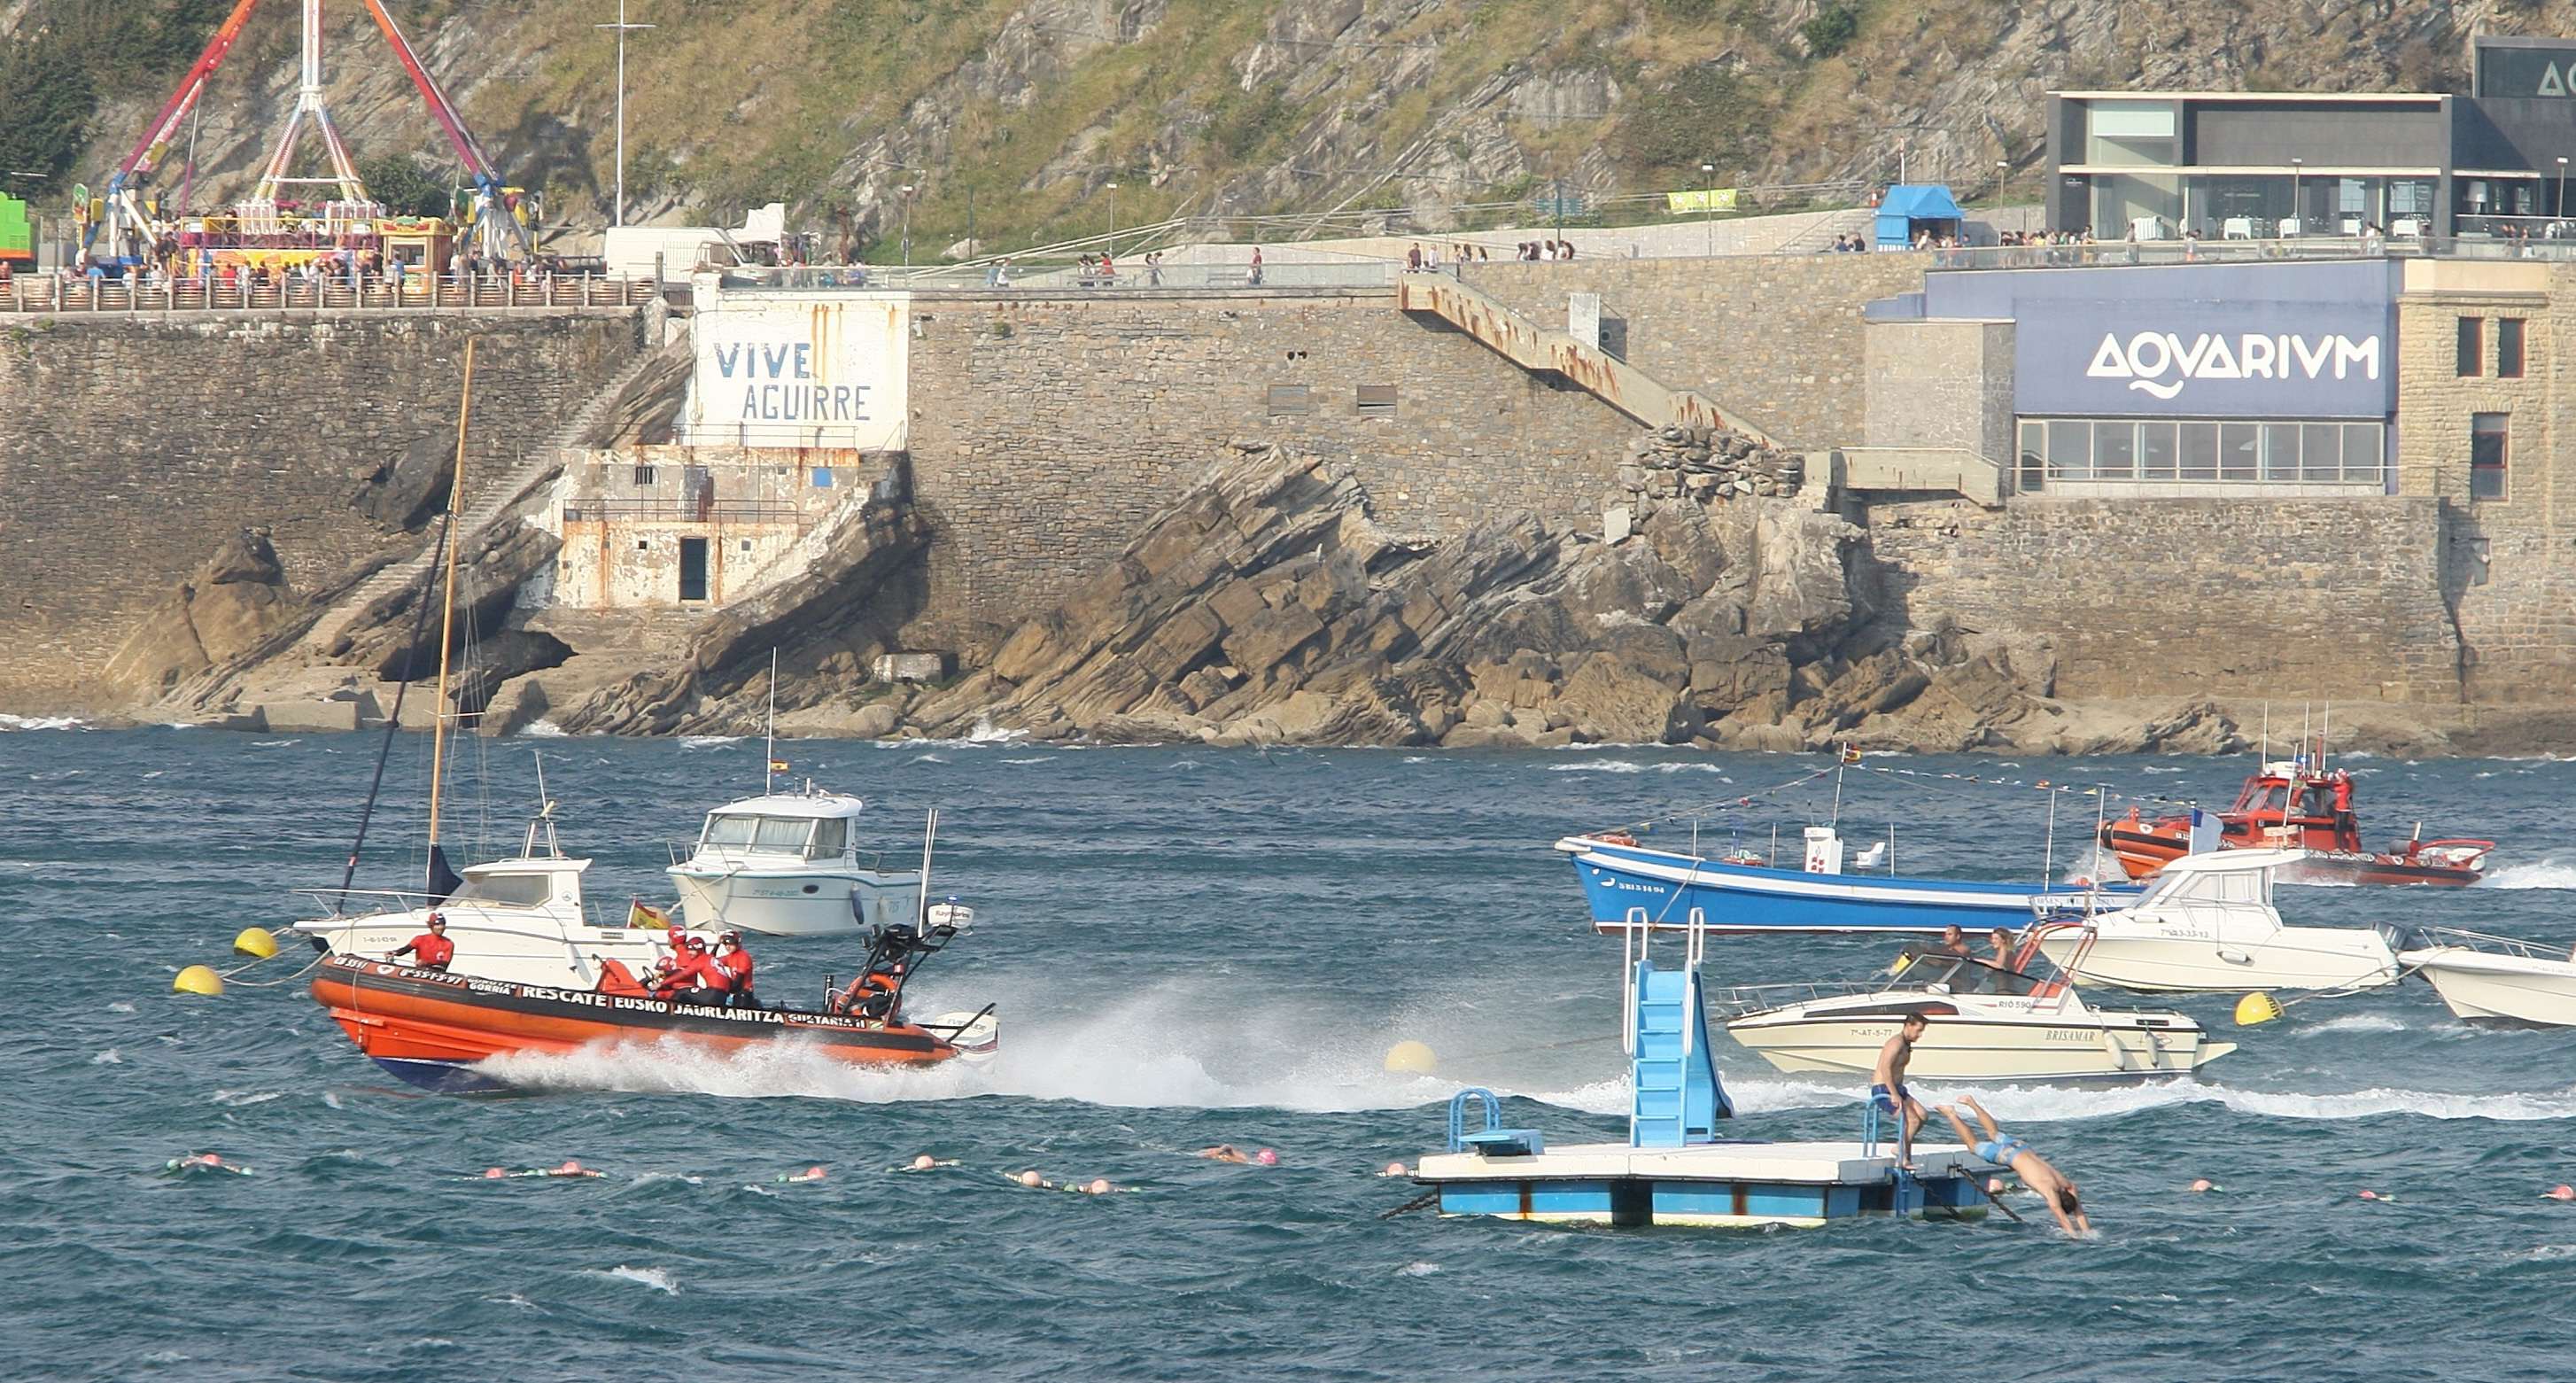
[58,295]
[2486,941]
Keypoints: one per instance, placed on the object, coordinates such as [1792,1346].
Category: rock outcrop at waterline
[1268,606]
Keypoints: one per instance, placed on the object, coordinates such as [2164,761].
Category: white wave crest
[107,1058]
[10,722]
[2354,1022]
[543,729]
[654,1278]
[708,741]
[1604,766]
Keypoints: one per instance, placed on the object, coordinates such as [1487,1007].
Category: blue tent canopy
[1909,207]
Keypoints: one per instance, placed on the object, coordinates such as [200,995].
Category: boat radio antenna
[929,833]
[769,742]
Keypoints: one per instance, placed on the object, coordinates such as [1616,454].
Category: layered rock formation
[232,603]
[1268,606]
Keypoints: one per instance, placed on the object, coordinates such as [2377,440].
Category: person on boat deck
[737,966]
[1887,1090]
[1954,942]
[2002,940]
[695,978]
[431,950]
[2003,1150]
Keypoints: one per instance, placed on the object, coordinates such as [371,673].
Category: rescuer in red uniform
[695,978]
[431,950]
[737,966]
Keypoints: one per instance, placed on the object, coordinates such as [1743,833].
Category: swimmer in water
[204,1162]
[2559,1193]
[1396,1169]
[1223,1152]
[809,1174]
[2056,1190]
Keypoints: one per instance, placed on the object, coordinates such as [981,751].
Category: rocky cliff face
[1012,121]
[1266,605]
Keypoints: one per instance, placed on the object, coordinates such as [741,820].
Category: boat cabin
[2297,805]
[2223,879]
[803,826]
[521,883]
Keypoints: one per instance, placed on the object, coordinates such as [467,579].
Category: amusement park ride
[275,227]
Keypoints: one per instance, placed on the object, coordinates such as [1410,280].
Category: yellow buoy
[1413,1058]
[255,941]
[198,979]
[2257,1007]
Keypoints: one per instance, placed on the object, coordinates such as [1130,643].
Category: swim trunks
[1878,1096]
[2001,1151]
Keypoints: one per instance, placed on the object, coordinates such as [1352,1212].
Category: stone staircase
[1535,348]
[1817,236]
[542,463]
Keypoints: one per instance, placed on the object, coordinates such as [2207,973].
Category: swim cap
[924,1163]
[1266,1158]
[493,1174]
[2560,1193]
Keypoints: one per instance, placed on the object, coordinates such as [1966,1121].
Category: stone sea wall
[1776,338]
[1047,428]
[135,446]
[2313,598]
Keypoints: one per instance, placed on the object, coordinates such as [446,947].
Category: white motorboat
[2207,925]
[2496,979]
[1983,1022]
[788,864]
[521,921]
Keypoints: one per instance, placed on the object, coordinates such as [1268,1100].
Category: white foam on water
[986,733]
[1050,758]
[331,1100]
[1606,766]
[1417,1270]
[107,1058]
[654,1278]
[543,729]
[654,1178]
[273,744]
[1409,758]
[120,1006]
[1695,768]
[708,741]
[241,1098]
[11,722]
[2540,873]
[2353,1022]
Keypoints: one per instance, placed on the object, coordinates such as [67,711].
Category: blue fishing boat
[1627,883]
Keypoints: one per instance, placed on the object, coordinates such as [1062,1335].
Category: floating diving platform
[1731,1185]
[1674,1169]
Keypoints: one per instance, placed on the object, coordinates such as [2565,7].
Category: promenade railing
[55,294]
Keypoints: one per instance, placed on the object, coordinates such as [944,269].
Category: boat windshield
[2240,886]
[1965,974]
[505,890]
[810,837]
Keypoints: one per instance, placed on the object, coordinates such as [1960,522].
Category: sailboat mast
[447,617]
[769,743]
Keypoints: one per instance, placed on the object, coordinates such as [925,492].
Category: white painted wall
[799,369]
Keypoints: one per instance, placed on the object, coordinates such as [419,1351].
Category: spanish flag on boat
[642,914]
[778,765]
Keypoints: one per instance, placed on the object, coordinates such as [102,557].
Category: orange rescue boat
[2292,806]
[432,1028]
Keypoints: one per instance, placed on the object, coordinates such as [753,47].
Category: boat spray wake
[2540,873]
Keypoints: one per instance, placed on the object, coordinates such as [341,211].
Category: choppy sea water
[1192,947]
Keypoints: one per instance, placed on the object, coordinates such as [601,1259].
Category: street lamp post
[617,213]
[1708,209]
[1113,223]
[2295,213]
[906,189]
[2562,188]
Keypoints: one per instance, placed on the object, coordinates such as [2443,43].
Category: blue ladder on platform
[1676,1098]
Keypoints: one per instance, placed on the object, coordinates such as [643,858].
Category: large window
[2131,134]
[2472,352]
[2489,435]
[2509,348]
[2200,450]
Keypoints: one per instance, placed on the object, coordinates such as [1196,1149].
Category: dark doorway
[693,569]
